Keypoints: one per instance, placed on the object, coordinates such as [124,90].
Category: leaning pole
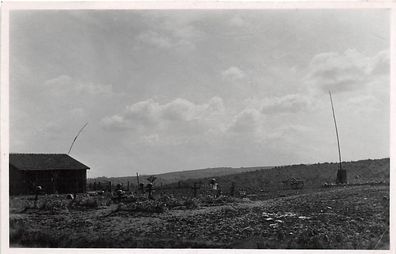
[341,173]
[75,138]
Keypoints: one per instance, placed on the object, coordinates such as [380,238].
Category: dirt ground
[340,218]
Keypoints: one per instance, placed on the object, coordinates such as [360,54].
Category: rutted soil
[342,218]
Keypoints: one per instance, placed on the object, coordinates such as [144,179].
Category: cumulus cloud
[291,103]
[247,121]
[347,71]
[150,114]
[379,64]
[233,73]
[178,110]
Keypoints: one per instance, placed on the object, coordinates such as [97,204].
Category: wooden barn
[55,173]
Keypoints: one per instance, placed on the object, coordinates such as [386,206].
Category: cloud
[247,121]
[171,33]
[155,39]
[63,104]
[166,40]
[364,104]
[288,132]
[76,99]
[182,31]
[149,114]
[379,64]
[233,73]
[178,110]
[66,85]
[291,103]
[347,71]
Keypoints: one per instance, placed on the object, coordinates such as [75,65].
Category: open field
[354,217]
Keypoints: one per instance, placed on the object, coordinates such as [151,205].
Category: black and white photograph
[256,128]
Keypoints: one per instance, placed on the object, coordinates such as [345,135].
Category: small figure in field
[141,188]
[215,187]
[195,189]
[149,188]
[37,191]
[119,192]
[232,189]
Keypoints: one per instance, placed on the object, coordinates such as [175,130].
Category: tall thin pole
[74,140]
[336,129]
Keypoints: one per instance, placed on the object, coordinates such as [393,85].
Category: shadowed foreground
[341,218]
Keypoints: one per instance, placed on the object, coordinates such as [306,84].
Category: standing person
[37,191]
[215,187]
[149,188]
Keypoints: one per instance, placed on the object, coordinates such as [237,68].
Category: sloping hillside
[314,175]
[174,177]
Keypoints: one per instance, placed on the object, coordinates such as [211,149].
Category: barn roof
[31,161]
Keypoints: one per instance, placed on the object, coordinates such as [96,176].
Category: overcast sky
[176,90]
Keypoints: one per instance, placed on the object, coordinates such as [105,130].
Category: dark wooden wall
[18,184]
[52,181]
